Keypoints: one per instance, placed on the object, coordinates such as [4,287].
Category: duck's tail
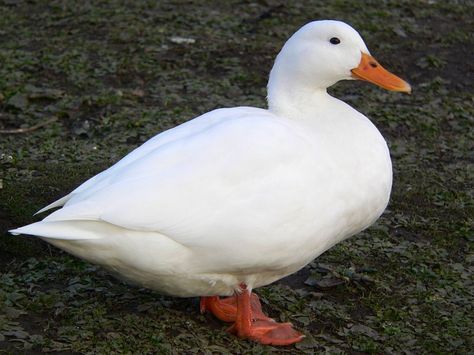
[66,230]
[57,203]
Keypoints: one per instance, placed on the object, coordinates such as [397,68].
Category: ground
[86,82]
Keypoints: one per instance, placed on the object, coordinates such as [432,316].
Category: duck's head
[322,53]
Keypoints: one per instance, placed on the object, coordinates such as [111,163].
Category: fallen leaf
[365,330]
[18,101]
[323,283]
[19,334]
[307,343]
[13,313]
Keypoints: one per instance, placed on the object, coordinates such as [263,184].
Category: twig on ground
[28,129]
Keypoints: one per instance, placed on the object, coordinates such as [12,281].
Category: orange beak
[370,70]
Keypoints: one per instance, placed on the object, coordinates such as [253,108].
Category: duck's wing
[236,178]
[180,132]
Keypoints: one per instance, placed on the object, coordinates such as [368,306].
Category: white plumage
[238,195]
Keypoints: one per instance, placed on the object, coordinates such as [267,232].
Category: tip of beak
[402,86]
[406,89]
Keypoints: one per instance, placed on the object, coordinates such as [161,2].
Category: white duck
[240,197]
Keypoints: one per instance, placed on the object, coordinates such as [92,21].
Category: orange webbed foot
[225,309]
[245,311]
[268,332]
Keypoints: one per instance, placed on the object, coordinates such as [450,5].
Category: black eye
[335,40]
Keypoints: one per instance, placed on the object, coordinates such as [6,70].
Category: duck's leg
[265,331]
[223,308]
[226,308]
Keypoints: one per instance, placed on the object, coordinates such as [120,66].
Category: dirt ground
[83,83]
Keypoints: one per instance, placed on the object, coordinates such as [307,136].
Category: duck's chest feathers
[352,173]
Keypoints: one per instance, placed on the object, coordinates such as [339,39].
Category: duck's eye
[335,40]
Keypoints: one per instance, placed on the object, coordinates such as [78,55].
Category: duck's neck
[294,97]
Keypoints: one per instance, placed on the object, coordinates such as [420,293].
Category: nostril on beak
[373,64]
